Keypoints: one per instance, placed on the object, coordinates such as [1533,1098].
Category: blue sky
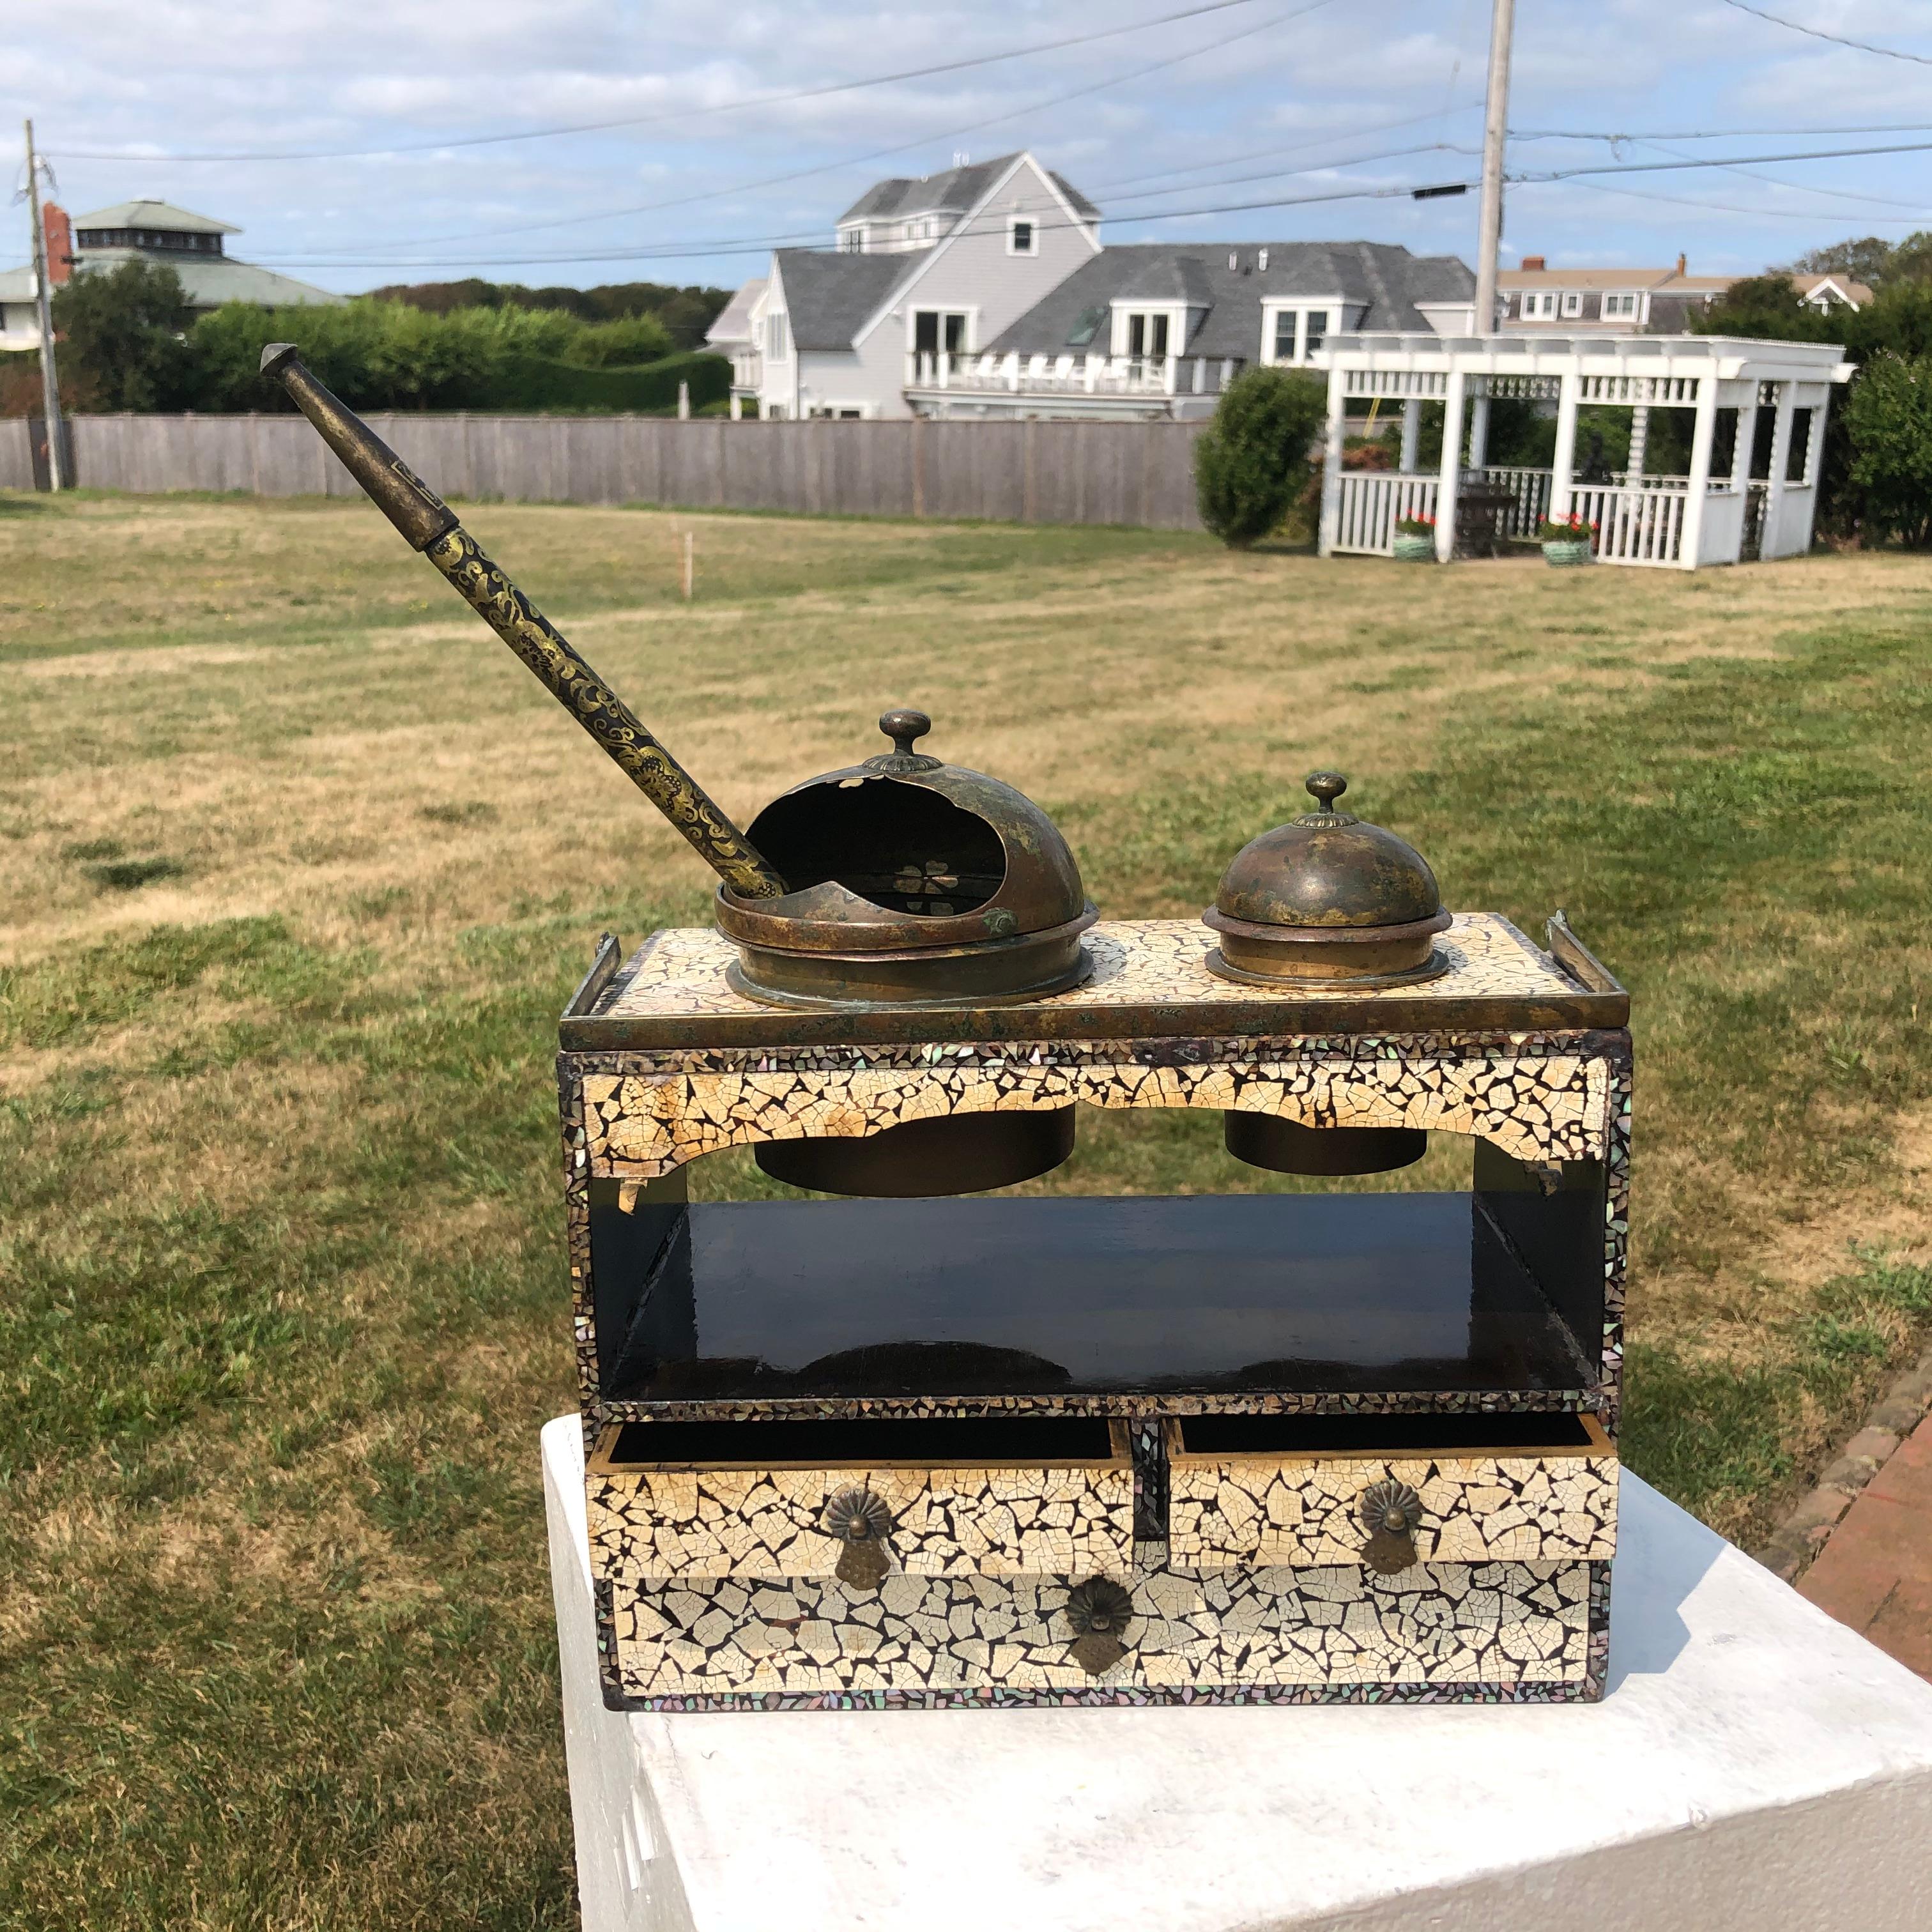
[120,91]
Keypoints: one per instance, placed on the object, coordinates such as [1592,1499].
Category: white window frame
[778,336]
[1539,305]
[970,334]
[1638,311]
[1572,304]
[1015,223]
[1301,307]
[1175,314]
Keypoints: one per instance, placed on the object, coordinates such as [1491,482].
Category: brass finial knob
[1327,787]
[905,728]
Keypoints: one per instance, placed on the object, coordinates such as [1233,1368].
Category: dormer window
[1293,331]
[853,240]
[1021,236]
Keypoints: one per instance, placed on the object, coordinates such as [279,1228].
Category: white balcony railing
[1151,376]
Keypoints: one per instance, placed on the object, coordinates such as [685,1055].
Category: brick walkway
[1876,1573]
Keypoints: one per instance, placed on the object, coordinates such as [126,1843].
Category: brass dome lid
[1328,897]
[911,880]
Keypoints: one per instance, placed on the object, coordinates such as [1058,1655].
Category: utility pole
[49,381]
[1496,130]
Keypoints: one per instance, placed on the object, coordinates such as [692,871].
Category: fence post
[918,464]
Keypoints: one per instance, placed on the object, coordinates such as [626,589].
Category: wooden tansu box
[909,1446]
[1285,1447]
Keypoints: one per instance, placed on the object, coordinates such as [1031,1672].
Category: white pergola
[1672,522]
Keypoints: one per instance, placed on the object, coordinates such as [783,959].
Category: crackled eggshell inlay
[1248,1510]
[655,1524]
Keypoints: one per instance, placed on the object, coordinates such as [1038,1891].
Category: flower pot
[1414,549]
[1565,551]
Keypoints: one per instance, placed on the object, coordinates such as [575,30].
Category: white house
[1537,299]
[193,245]
[984,291]
[938,265]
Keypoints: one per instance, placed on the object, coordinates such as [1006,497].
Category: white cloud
[155,80]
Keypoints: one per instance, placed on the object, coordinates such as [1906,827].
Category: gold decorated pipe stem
[432,527]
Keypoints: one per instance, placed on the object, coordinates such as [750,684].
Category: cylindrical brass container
[911,882]
[1326,901]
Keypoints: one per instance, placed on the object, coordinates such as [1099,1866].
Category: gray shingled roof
[162,215]
[957,190]
[1385,277]
[828,296]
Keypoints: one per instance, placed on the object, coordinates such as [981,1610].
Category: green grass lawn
[299,866]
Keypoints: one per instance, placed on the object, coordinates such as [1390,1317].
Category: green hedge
[523,381]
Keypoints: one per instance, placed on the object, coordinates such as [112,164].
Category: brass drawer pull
[1390,1512]
[862,1522]
[1098,1611]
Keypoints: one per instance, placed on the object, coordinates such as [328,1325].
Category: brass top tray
[1150,980]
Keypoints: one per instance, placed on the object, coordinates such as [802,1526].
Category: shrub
[1251,461]
[624,342]
[1416,526]
[1889,417]
[393,356]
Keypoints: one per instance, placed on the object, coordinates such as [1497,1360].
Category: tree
[1767,308]
[1890,418]
[622,342]
[123,331]
[1251,462]
[1867,259]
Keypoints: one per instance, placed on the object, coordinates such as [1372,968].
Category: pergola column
[1747,442]
[1691,537]
[1563,463]
[1330,528]
[1411,434]
[1448,488]
[1780,461]
[1640,442]
[1479,429]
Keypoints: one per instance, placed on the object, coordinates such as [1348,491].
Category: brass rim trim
[1077,974]
[1433,968]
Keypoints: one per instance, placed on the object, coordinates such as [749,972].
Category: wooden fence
[1139,473]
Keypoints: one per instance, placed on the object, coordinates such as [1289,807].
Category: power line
[1727,161]
[1837,39]
[1797,187]
[760,244]
[1725,207]
[1711,133]
[858,161]
[763,244]
[814,93]
[1292,147]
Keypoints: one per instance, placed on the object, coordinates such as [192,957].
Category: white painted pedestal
[1754,1766]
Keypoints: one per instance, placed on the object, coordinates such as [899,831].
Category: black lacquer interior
[1233,1294]
[1458,1434]
[975,1441]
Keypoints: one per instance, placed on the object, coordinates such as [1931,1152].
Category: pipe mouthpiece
[275,355]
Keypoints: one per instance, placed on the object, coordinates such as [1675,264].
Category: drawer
[1387,1492]
[992,1496]
[1448,1632]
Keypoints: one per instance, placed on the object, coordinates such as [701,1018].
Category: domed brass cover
[1328,897]
[913,881]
